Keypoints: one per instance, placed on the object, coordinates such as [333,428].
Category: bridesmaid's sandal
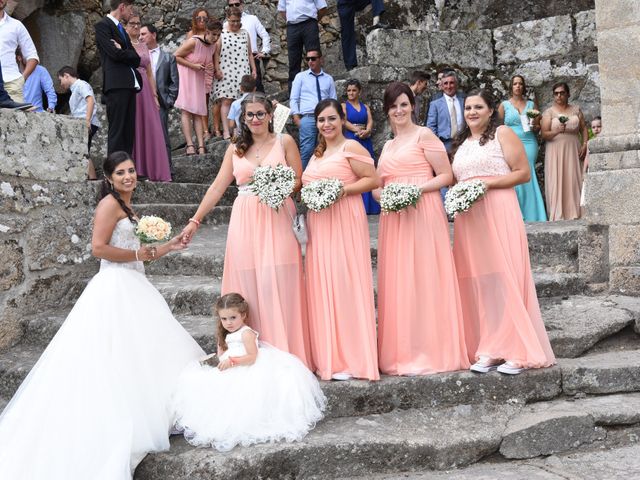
[510,368]
[190,150]
[202,150]
[485,365]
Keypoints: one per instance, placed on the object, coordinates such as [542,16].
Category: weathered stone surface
[21,9]
[613,160]
[578,323]
[179,214]
[625,280]
[398,48]
[609,372]
[469,49]
[624,245]
[188,295]
[593,253]
[11,260]
[585,28]
[555,248]
[558,284]
[26,140]
[533,40]
[607,192]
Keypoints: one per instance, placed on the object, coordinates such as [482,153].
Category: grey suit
[167,84]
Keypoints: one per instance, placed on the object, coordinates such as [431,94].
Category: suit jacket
[167,81]
[118,64]
[439,119]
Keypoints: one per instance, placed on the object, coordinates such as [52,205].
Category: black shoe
[10,104]
[381,24]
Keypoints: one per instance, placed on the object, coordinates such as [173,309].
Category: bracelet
[137,259]
[193,220]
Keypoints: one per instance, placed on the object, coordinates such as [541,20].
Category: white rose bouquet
[273,185]
[462,196]
[398,196]
[321,193]
[532,114]
[152,229]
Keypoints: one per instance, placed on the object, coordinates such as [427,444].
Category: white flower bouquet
[462,196]
[321,193]
[152,229]
[273,185]
[532,114]
[398,196]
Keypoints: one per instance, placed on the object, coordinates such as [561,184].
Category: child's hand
[224,364]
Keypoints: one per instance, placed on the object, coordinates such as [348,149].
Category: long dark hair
[489,133]
[234,301]
[245,138]
[109,166]
[326,103]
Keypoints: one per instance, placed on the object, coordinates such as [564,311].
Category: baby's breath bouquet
[398,196]
[321,194]
[462,196]
[152,229]
[273,185]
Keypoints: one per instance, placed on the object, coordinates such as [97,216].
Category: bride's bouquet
[273,185]
[321,193]
[398,196]
[462,196]
[152,229]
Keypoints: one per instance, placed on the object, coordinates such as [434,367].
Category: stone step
[179,193]
[179,214]
[199,168]
[405,440]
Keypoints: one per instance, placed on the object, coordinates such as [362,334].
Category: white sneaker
[510,369]
[483,365]
[341,376]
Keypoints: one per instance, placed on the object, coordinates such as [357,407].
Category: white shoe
[510,369]
[483,365]
[341,376]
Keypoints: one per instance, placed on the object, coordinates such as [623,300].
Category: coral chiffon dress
[339,277]
[499,303]
[420,327]
[263,263]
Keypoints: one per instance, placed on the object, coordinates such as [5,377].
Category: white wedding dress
[97,400]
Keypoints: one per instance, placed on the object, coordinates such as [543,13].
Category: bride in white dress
[97,400]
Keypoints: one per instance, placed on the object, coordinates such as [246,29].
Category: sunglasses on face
[258,115]
[561,92]
[235,4]
[203,18]
[312,59]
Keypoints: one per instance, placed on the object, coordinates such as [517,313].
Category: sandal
[217,133]
[190,152]
[202,150]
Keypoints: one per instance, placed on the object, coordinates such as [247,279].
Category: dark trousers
[121,114]
[304,34]
[4,96]
[164,120]
[261,68]
[92,132]
[347,12]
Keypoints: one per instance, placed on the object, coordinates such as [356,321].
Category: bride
[96,401]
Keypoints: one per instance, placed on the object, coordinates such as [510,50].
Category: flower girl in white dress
[256,394]
[98,398]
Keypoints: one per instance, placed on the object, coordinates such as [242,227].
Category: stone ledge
[614,143]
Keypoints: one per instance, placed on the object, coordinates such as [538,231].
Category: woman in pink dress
[499,303]
[152,160]
[192,57]
[420,328]
[338,261]
[262,261]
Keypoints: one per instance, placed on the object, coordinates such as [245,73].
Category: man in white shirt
[254,27]
[13,34]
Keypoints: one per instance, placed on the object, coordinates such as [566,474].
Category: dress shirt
[301,10]
[40,81]
[304,92]
[252,24]
[13,34]
[459,114]
[236,109]
[154,54]
[80,90]
[135,80]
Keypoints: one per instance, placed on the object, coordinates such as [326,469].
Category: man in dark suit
[446,114]
[165,72]
[120,77]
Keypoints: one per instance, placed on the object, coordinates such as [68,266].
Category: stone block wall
[46,209]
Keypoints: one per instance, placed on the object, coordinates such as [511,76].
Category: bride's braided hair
[109,166]
[230,300]
[490,131]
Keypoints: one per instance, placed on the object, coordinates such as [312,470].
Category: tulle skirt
[276,398]
[97,399]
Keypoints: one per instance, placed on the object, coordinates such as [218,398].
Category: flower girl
[256,393]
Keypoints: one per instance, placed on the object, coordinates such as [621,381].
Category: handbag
[299,227]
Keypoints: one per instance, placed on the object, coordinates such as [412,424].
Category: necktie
[318,87]
[122,32]
[454,118]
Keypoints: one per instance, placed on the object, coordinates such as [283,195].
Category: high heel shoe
[202,150]
[190,150]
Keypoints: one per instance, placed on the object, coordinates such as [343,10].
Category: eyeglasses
[234,21]
[235,4]
[134,24]
[258,115]
[202,18]
[558,93]
[311,59]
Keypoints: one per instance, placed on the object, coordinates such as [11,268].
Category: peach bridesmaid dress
[420,328]
[263,263]
[499,303]
[339,278]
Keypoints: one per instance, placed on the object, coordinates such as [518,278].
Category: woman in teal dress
[513,113]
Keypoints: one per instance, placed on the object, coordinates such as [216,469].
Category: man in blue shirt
[37,84]
[308,89]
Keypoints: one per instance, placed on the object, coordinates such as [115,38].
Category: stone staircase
[405,424]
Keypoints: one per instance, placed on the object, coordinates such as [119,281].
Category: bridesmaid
[420,328]
[563,153]
[358,126]
[338,261]
[513,112]
[262,261]
[499,304]
[152,160]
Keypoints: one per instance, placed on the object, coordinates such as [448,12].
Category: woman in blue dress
[358,127]
[513,113]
